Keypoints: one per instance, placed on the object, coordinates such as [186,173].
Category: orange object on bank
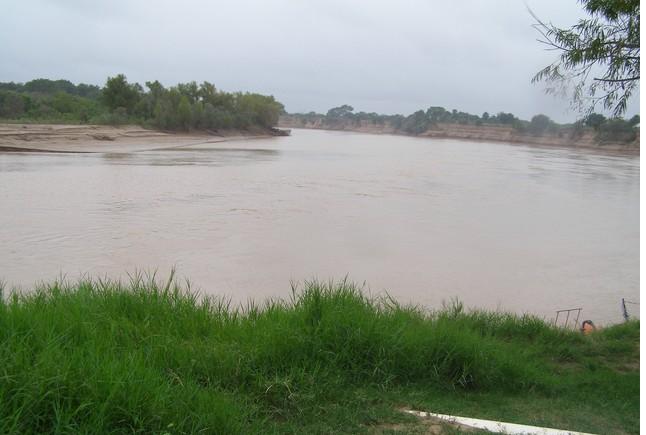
[587,327]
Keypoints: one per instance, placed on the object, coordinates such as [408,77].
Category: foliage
[599,55]
[150,357]
[417,123]
[119,93]
[504,118]
[540,124]
[50,87]
[186,106]
[594,120]
[343,111]
[613,129]
[616,129]
[13,104]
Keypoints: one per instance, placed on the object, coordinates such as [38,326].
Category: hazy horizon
[474,57]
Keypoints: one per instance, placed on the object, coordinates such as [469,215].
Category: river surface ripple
[498,226]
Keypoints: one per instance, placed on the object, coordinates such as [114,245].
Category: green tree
[599,56]
[190,90]
[594,120]
[46,86]
[207,92]
[184,113]
[12,104]
[340,112]
[505,118]
[438,114]
[416,123]
[119,93]
[88,91]
[616,129]
[539,124]
[63,102]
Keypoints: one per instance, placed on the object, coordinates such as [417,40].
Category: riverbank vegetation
[421,121]
[148,357]
[184,107]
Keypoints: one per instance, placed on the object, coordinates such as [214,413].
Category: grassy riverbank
[102,357]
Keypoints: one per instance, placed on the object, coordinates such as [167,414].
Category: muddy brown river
[498,226]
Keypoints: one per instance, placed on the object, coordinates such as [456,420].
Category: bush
[616,130]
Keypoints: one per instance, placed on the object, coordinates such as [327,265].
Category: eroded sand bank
[482,133]
[102,139]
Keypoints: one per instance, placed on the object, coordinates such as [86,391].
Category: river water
[498,226]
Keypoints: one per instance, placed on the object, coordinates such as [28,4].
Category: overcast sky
[381,56]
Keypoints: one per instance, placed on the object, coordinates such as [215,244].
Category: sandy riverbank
[102,138]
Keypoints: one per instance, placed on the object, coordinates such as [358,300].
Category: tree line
[423,120]
[186,106]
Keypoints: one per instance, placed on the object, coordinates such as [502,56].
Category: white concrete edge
[496,426]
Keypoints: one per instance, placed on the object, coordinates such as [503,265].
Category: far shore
[64,138]
[491,134]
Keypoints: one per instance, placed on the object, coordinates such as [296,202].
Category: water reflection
[187,156]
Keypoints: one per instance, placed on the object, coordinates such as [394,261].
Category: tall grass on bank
[148,357]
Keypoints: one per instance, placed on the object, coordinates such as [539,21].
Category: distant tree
[539,124]
[396,121]
[340,112]
[506,118]
[207,92]
[11,86]
[119,93]
[599,55]
[182,107]
[88,91]
[485,116]
[209,117]
[12,105]
[190,90]
[594,120]
[577,129]
[616,129]
[634,120]
[438,114]
[155,89]
[416,123]
[46,86]
[63,102]
[145,107]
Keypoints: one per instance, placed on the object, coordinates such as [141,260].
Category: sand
[102,139]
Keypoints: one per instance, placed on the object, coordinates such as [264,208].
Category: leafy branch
[606,43]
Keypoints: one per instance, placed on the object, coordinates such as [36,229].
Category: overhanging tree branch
[630,79]
[608,39]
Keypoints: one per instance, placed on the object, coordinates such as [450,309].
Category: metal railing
[624,310]
[567,314]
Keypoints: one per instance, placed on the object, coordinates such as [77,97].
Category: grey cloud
[389,57]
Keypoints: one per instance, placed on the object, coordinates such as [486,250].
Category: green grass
[146,357]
